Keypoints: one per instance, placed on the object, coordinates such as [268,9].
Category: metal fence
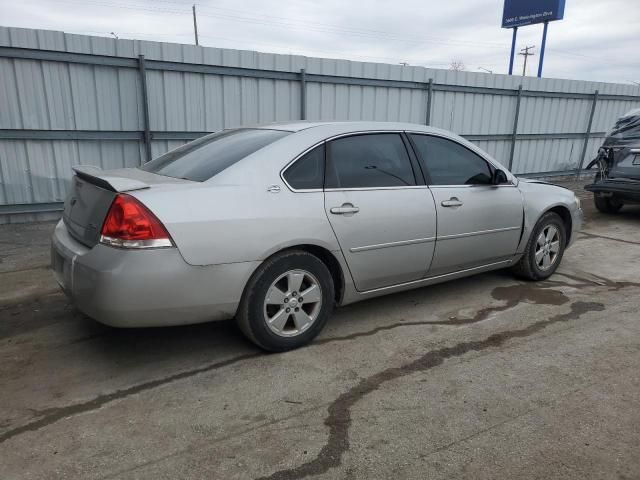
[71,99]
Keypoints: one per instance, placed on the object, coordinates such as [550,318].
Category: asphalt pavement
[486,377]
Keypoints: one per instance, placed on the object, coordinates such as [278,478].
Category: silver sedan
[275,225]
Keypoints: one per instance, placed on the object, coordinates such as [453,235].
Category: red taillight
[129,224]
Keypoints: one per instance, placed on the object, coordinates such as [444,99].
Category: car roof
[350,126]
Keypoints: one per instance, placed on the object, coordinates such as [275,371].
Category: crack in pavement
[507,420]
[512,295]
[339,412]
[52,415]
[596,280]
[210,441]
[594,235]
[28,269]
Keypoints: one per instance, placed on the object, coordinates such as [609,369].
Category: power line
[307,26]
[260,16]
[175,7]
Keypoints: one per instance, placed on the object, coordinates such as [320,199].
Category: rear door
[385,221]
[478,223]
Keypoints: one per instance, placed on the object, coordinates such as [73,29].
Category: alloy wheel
[547,247]
[293,303]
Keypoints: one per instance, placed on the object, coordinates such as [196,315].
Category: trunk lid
[92,192]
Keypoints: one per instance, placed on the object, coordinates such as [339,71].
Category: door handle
[344,209]
[452,202]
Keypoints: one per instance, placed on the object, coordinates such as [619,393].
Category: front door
[478,223]
[384,222]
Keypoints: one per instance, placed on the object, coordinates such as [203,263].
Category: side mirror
[499,177]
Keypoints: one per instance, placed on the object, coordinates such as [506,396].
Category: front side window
[308,171]
[207,156]
[368,161]
[450,163]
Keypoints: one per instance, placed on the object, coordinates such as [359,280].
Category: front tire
[544,250]
[606,204]
[287,302]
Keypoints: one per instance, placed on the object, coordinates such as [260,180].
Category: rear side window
[308,171]
[450,163]
[206,157]
[365,161]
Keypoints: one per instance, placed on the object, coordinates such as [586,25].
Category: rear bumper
[624,189]
[143,288]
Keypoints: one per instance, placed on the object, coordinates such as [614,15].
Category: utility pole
[525,53]
[195,24]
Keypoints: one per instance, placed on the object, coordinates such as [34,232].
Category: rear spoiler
[114,183]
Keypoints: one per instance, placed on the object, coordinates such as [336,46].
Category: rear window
[207,156]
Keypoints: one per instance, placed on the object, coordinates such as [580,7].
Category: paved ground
[482,378]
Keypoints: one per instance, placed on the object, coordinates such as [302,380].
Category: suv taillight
[129,224]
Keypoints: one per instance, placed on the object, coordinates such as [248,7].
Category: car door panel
[384,222]
[478,222]
[485,227]
[390,239]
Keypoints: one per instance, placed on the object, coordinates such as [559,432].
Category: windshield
[207,156]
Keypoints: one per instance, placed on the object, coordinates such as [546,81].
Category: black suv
[618,178]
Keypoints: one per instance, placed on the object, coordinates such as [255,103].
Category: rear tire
[607,204]
[274,313]
[544,250]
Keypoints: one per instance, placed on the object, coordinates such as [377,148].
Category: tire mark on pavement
[339,412]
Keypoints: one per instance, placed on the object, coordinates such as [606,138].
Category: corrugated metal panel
[498,149]
[51,95]
[548,155]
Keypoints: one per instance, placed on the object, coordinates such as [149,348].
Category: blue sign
[526,12]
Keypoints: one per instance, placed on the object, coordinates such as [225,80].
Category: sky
[597,40]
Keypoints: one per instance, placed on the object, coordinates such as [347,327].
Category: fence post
[145,108]
[514,133]
[429,99]
[303,94]
[587,134]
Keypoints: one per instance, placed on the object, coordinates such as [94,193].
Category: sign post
[513,49]
[544,42]
[517,13]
